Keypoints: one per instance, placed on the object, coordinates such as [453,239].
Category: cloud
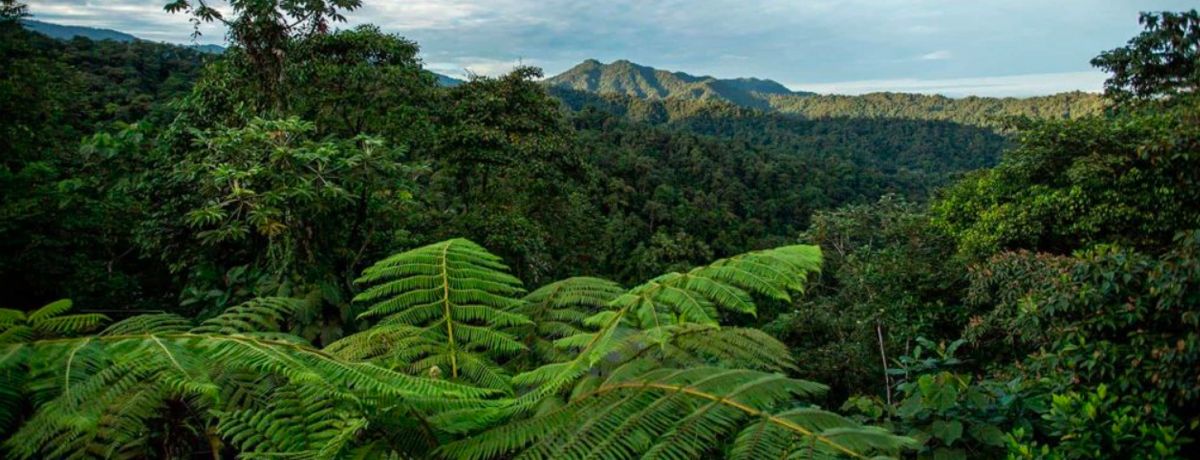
[939,55]
[466,66]
[999,86]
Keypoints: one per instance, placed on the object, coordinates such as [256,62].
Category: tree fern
[459,297]
[645,372]
[679,413]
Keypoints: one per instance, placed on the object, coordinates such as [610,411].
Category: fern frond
[265,314]
[300,423]
[691,345]
[672,413]
[47,321]
[460,297]
[559,309]
[159,323]
[50,310]
[775,437]
[70,324]
[9,317]
[678,298]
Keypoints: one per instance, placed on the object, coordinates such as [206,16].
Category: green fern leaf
[460,297]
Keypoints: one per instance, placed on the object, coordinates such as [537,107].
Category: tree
[12,10]
[1161,62]
[264,28]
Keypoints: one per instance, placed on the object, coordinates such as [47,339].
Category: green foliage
[1127,179]
[673,299]
[1126,321]
[66,213]
[886,282]
[951,414]
[1058,289]
[503,174]
[262,29]
[238,383]
[706,180]
[271,182]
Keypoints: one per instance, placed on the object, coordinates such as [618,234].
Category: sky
[950,47]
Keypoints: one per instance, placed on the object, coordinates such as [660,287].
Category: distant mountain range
[678,92]
[65,32]
[448,81]
[627,78]
[62,32]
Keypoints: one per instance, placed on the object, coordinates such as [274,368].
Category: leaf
[947,431]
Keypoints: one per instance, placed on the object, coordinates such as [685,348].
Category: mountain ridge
[67,32]
[628,78]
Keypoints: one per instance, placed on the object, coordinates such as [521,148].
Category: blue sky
[952,47]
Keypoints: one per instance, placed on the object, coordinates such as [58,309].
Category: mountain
[210,49]
[63,32]
[624,77]
[447,81]
[610,83]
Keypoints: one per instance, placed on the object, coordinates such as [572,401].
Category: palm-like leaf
[459,298]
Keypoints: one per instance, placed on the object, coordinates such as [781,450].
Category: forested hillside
[310,247]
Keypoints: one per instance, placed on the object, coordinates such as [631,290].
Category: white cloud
[939,55]
[1003,86]
[466,66]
